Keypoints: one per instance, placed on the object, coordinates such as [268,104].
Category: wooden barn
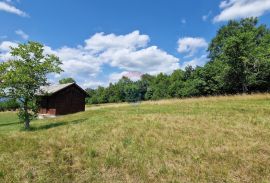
[61,99]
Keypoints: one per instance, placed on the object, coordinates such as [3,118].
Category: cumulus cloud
[150,60]
[127,53]
[233,9]
[78,61]
[12,9]
[197,61]
[101,42]
[134,76]
[191,45]
[22,34]
[93,84]
[5,45]
[5,50]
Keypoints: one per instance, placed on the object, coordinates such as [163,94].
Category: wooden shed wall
[69,100]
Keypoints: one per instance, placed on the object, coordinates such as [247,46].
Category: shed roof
[52,89]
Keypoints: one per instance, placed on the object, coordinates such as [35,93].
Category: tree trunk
[245,89]
[26,116]
[27,124]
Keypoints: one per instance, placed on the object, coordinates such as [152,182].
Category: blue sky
[99,41]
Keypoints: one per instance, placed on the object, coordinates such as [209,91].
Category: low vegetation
[216,139]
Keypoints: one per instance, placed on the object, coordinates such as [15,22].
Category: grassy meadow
[215,139]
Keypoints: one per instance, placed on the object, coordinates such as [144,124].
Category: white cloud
[77,61]
[101,42]
[5,45]
[22,34]
[233,9]
[5,50]
[134,76]
[127,53]
[198,61]
[93,84]
[114,77]
[191,45]
[150,60]
[11,9]
[130,52]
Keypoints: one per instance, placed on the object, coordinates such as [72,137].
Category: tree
[102,95]
[22,77]
[192,87]
[116,93]
[245,48]
[189,70]
[92,99]
[132,93]
[67,80]
[177,83]
[143,84]
[212,75]
[159,87]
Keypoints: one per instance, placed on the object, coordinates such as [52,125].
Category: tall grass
[213,139]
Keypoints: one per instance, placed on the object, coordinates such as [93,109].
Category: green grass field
[216,139]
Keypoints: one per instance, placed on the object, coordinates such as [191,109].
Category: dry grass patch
[215,139]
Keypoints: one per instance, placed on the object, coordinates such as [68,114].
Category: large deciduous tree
[245,48]
[22,76]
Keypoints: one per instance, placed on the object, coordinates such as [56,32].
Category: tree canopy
[244,47]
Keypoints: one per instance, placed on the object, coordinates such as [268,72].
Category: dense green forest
[239,62]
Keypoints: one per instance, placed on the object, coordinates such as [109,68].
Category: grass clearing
[215,139]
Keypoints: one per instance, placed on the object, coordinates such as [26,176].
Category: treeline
[8,105]
[239,63]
